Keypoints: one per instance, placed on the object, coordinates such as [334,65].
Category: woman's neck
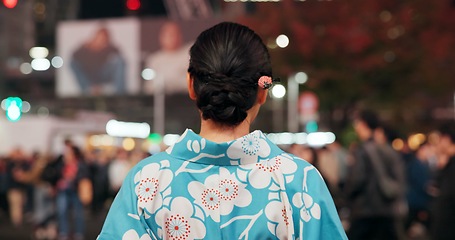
[220,133]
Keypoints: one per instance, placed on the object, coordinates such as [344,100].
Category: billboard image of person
[101,58]
[98,65]
[169,62]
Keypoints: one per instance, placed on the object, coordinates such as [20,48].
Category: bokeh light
[282,41]
[25,107]
[278,91]
[128,144]
[57,62]
[38,52]
[415,140]
[10,3]
[301,77]
[40,64]
[148,74]
[43,112]
[26,68]
[397,144]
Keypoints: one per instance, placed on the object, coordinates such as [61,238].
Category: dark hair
[226,62]
[448,129]
[78,153]
[370,118]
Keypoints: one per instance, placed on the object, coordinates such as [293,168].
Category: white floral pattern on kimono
[243,189]
[178,222]
[132,235]
[222,189]
[150,182]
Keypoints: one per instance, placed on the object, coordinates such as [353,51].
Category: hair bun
[226,107]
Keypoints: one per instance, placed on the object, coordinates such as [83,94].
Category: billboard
[101,57]
[166,44]
[107,57]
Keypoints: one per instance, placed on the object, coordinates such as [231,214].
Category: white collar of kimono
[248,149]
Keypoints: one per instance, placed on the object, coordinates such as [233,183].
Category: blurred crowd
[56,193]
[383,189]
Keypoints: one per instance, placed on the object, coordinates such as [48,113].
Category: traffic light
[311,126]
[13,107]
[10,3]
[133,5]
[155,138]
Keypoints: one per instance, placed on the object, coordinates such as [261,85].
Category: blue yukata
[243,189]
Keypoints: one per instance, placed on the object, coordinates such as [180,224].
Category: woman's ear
[190,82]
[262,95]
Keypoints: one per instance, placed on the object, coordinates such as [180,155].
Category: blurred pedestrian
[310,155]
[43,204]
[383,136]
[373,185]
[118,169]
[100,179]
[443,211]
[16,190]
[340,154]
[325,161]
[296,149]
[72,193]
[225,182]
[329,168]
[418,178]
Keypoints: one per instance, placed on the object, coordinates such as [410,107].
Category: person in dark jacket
[373,186]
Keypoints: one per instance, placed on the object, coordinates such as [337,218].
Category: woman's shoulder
[301,163]
[155,158]
[303,169]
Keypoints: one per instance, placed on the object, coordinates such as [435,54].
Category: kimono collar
[248,149]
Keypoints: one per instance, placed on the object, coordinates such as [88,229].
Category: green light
[311,126]
[13,106]
[155,138]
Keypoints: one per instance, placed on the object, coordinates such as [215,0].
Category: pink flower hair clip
[265,82]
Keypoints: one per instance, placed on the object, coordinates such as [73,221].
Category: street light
[293,93]
[278,92]
[282,41]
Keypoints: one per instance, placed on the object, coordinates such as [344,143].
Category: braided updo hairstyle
[226,62]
